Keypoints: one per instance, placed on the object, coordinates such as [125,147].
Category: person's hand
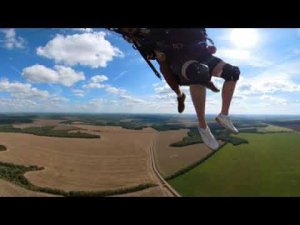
[151,56]
[160,56]
[128,39]
[212,49]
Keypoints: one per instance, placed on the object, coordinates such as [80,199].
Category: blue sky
[94,70]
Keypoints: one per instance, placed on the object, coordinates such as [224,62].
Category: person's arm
[210,48]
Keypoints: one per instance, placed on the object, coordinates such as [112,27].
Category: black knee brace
[230,73]
[193,72]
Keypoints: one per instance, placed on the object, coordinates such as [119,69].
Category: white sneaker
[208,138]
[225,122]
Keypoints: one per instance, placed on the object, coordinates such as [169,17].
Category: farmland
[267,166]
[109,155]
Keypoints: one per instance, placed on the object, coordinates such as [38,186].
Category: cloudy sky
[93,70]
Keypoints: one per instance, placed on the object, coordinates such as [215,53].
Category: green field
[268,166]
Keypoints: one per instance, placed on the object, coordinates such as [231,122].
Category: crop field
[119,159]
[172,159]
[109,155]
[268,166]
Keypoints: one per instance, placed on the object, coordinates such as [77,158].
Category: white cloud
[243,57]
[131,99]
[25,98]
[89,49]
[98,78]
[21,90]
[264,104]
[12,40]
[114,90]
[67,76]
[165,100]
[40,74]
[264,85]
[157,84]
[271,100]
[93,85]
[277,79]
[288,68]
[269,91]
[125,103]
[60,75]
[260,94]
[95,82]
[78,92]
[97,105]
[217,81]
[58,99]
[84,30]
[17,105]
[163,89]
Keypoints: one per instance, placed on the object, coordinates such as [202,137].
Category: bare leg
[227,93]
[198,95]
[167,73]
[173,84]
[228,88]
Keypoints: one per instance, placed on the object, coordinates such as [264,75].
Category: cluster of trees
[2,148]
[47,131]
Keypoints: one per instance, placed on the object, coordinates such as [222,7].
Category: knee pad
[193,72]
[230,73]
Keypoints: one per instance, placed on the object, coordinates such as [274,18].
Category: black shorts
[212,62]
[195,78]
[209,60]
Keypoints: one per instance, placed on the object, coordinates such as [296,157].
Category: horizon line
[232,114]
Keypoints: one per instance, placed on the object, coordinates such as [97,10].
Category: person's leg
[227,94]
[227,90]
[198,96]
[231,75]
[172,82]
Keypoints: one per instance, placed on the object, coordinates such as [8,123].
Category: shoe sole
[223,125]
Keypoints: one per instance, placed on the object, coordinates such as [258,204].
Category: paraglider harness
[170,40]
[133,38]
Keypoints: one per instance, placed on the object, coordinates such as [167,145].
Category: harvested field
[119,159]
[38,123]
[171,159]
[47,122]
[295,127]
[8,189]
[273,128]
